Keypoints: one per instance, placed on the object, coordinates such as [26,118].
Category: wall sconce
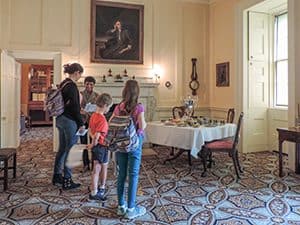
[157,72]
[168,84]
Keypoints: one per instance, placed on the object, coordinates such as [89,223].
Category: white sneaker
[138,211]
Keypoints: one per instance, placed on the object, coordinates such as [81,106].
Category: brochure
[90,107]
[82,133]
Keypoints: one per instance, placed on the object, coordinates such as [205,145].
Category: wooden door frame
[57,72]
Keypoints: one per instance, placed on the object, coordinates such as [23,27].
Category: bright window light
[281,60]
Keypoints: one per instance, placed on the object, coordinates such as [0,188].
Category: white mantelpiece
[147,94]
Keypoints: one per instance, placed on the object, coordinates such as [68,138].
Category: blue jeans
[129,161]
[67,129]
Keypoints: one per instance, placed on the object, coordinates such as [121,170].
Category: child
[98,130]
[130,161]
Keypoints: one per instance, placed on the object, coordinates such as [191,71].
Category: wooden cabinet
[41,78]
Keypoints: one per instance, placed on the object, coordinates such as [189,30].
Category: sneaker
[121,211]
[99,196]
[68,184]
[57,180]
[137,211]
[103,190]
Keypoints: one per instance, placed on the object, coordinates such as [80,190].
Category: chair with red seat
[224,145]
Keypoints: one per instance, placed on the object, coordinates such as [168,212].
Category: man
[88,96]
[119,45]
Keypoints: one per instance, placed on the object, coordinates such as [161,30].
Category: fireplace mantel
[147,94]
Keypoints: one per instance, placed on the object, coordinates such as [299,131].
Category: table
[291,134]
[186,138]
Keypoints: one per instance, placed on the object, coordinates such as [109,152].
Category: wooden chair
[5,155]
[180,111]
[230,115]
[225,145]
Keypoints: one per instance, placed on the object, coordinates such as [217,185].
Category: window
[281,60]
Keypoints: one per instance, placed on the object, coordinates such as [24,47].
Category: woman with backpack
[67,124]
[130,161]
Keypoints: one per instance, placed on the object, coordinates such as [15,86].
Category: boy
[98,127]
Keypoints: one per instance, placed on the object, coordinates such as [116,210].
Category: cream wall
[222,49]
[170,39]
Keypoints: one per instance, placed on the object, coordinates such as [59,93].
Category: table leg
[179,153]
[5,181]
[280,158]
[15,165]
[190,158]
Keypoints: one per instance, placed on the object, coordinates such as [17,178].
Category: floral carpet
[173,193]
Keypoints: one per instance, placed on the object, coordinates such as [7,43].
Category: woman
[68,123]
[130,161]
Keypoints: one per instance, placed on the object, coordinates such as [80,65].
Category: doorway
[30,58]
[36,79]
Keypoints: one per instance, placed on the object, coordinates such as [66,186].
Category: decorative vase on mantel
[110,77]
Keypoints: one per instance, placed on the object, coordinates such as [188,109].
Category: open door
[10,100]
[256,121]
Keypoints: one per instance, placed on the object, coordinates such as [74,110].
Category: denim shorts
[100,153]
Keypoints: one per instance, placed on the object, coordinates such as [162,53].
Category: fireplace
[147,94]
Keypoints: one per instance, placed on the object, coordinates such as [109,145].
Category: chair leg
[238,162]
[235,165]
[210,160]
[203,156]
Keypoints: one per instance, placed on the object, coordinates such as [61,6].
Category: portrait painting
[222,74]
[117,32]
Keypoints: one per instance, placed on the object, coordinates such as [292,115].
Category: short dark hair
[90,79]
[103,99]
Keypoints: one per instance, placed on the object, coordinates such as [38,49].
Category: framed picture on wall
[222,74]
[117,32]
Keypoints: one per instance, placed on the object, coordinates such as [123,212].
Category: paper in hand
[90,107]
[81,133]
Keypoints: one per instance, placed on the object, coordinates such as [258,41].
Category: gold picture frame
[117,32]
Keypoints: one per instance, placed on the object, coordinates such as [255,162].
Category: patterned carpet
[173,193]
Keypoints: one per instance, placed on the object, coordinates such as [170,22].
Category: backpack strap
[61,87]
[64,84]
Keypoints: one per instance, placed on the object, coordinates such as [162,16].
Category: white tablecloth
[186,137]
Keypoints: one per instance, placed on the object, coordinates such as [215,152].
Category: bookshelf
[41,78]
